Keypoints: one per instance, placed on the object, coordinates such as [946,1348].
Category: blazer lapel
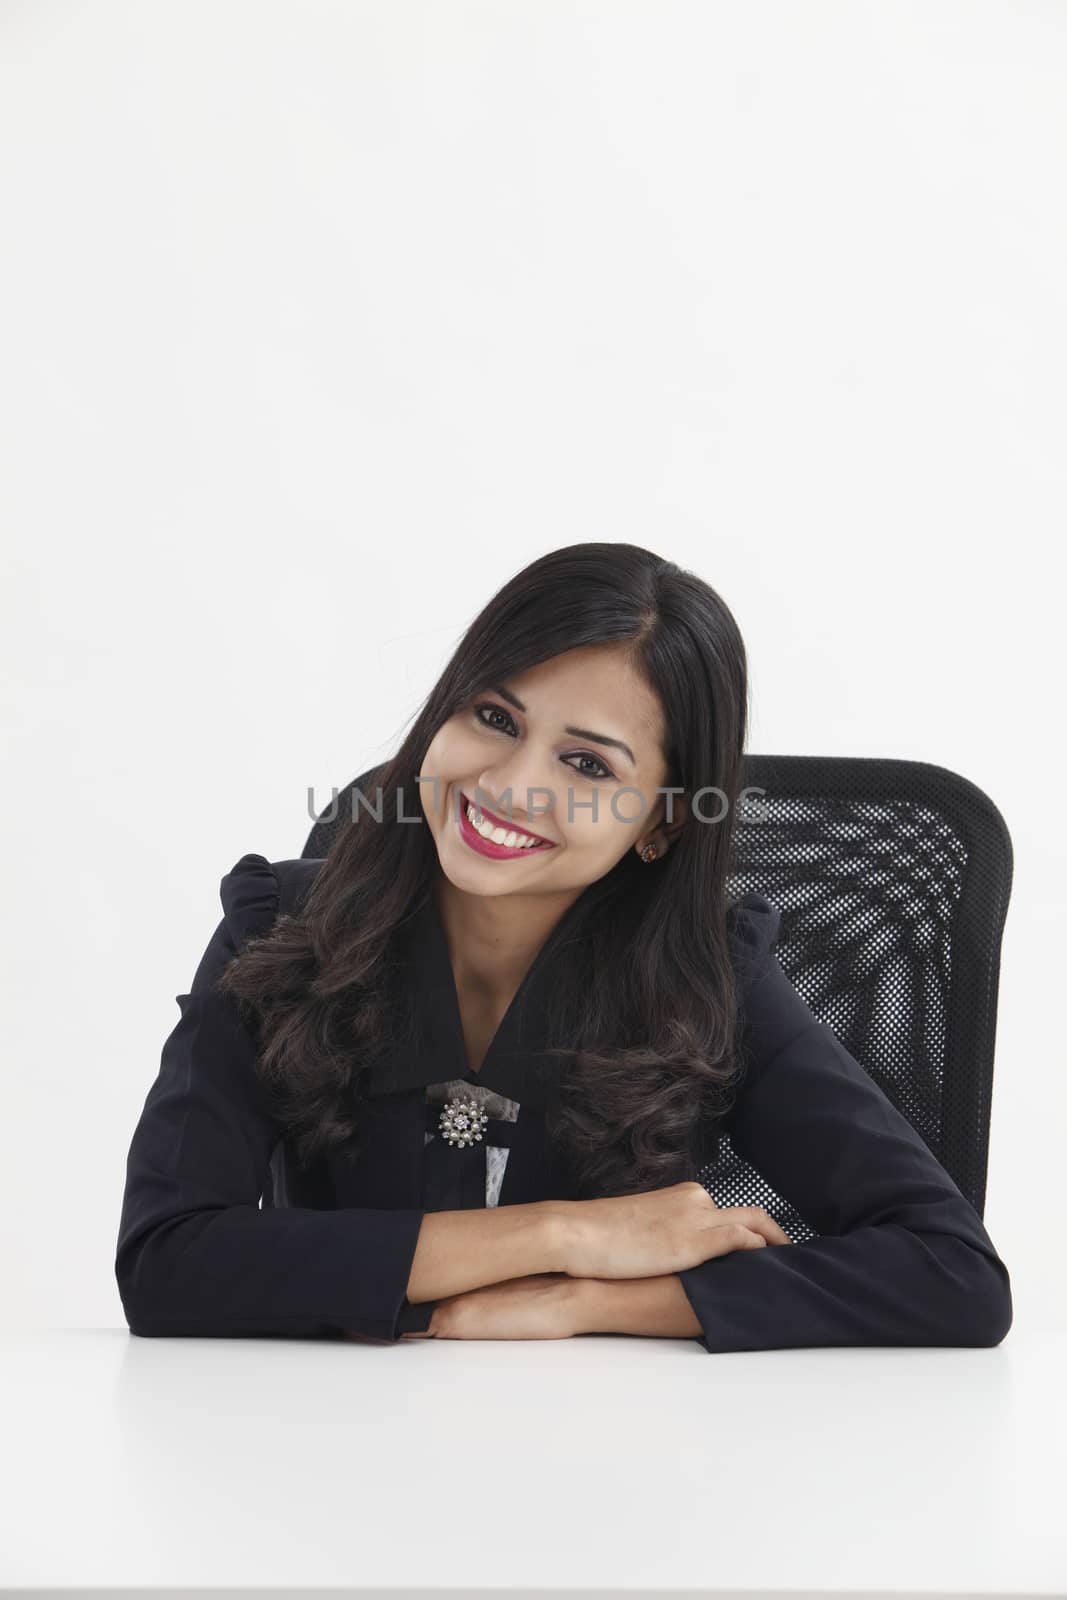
[431,1049]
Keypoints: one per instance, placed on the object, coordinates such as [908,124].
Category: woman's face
[511,752]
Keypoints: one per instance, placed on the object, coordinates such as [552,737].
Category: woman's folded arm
[902,1257]
[195,1253]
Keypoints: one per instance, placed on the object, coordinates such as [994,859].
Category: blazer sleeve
[903,1257]
[196,1254]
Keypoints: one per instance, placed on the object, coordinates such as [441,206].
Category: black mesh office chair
[893,880]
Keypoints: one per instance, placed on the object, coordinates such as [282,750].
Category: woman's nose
[515,792]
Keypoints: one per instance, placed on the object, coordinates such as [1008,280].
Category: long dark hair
[644,1017]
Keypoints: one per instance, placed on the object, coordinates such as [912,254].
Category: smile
[495,838]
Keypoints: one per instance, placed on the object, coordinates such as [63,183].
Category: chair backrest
[893,879]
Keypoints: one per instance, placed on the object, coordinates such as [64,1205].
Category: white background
[319,321]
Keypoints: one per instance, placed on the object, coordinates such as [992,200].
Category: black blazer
[901,1257]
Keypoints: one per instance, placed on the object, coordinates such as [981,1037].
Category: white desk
[607,1465]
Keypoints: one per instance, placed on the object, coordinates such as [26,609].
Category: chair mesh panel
[893,880]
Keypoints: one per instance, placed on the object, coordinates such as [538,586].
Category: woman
[474,1059]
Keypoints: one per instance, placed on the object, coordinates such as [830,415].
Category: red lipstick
[486,847]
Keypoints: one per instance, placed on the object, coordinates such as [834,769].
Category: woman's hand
[539,1307]
[661,1231]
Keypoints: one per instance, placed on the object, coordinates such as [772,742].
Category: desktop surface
[597,1465]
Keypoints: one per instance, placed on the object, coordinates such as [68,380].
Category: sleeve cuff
[415,1318]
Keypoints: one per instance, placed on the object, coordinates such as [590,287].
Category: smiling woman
[552,764]
[548,968]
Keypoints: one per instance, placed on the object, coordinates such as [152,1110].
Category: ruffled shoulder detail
[250,898]
[753,925]
[295,877]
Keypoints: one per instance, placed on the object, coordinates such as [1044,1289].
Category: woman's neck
[493,940]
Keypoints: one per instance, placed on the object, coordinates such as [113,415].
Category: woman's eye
[500,712]
[509,719]
[603,773]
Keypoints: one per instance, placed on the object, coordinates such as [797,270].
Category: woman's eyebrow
[579,733]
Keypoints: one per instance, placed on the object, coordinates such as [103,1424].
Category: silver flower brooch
[462,1122]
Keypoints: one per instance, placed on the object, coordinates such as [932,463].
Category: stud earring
[650,853]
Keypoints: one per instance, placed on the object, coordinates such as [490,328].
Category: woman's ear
[660,832]
[679,815]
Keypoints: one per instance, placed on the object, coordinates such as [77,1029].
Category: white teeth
[504,836]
